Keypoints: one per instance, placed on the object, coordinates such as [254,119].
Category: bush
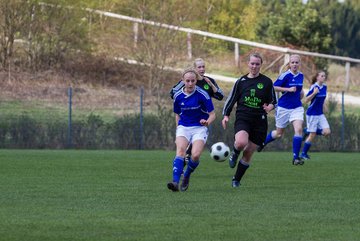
[157,132]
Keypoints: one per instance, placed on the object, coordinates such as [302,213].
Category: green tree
[297,25]
[155,45]
[235,18]
[48,32]
[13,17]
[345,25]
[300,25]
[354,3]
[57,32]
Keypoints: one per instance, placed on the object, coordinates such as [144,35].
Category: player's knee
[278,135]
[240,144]
[326,132]
[181,152]
[195,156]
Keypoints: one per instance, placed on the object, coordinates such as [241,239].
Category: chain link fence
[96,118]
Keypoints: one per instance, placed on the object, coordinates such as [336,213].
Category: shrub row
[153,132]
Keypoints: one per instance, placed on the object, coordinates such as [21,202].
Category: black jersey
[250,94]
[219,95]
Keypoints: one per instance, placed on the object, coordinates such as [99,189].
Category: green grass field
[122,195]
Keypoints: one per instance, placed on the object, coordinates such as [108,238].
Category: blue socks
[296,146]
[306,148]
[305,131]
[178,167]
[297,140]
[269,138]
[191,166]
[318,132]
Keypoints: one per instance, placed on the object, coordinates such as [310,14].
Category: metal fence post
[236,51]
[342,121]
[141,132]
[136,33]
[189,47]
[70,120]
[347,75]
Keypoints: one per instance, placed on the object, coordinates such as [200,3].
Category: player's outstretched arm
[224,121]
[211,118]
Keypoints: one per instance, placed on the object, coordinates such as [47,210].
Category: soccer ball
[219,151]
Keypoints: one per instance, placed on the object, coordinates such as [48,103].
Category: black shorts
[256,127]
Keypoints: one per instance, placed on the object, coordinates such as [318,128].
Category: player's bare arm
[224,121]
[268,107]
[211,118]
[177,118]
[310,97]
[284,89]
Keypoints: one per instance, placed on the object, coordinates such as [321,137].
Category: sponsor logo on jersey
[252,101]
[252,92]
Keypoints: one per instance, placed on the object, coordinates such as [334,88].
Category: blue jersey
[317,103]
[192,107]
[290,100]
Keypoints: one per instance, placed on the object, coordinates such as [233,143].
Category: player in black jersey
[255,97]
[206,83]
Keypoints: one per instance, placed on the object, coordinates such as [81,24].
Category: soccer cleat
[260,148]
[297,161]
[233,159]
[304,156]
[173,186]
[185,184]
[235,183]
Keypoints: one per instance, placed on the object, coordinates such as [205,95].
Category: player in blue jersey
[194,112]
[289,109]
[206,83]
[316,122]
[254,96]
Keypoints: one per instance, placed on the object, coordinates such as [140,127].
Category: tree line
[50,34]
